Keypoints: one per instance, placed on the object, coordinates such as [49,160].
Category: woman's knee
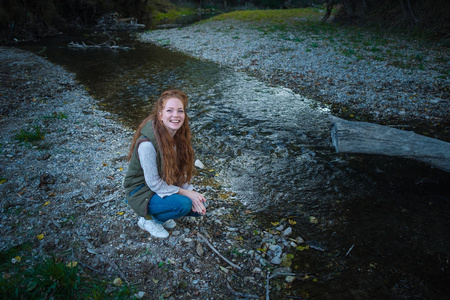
[183,203]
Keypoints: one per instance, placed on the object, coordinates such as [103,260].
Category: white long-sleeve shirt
[147,157]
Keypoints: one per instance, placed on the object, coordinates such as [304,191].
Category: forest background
[34,19]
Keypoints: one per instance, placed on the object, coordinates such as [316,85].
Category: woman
[161,165]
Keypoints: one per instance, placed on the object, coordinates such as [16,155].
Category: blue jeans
[170,207]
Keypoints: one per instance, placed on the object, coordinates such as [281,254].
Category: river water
[384,222]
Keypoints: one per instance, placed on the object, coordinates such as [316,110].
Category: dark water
[384,222]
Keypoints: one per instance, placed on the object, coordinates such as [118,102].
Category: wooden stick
[217,252]
[241,294]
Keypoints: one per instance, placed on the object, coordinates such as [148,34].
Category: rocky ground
[360,75]
[62,194]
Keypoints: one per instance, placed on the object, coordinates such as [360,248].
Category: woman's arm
[147,158]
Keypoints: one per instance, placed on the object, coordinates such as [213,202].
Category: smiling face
[172,115]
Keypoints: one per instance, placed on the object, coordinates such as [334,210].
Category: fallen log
[363,137]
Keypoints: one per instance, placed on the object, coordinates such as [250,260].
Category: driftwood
[105,45]
[362,137]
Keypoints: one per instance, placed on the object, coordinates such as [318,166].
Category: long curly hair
[177,152]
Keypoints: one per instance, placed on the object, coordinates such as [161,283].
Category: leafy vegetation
[35,134]
[52,278]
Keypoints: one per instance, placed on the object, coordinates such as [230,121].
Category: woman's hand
[197,200]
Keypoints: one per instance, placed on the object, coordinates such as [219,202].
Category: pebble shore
[383,79]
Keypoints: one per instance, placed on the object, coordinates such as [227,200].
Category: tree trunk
[362,137]
[348,5]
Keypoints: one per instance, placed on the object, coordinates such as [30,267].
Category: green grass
[52,278]
[174,13]
[274,16]
[33,135]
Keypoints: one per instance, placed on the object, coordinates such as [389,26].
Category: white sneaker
[169,224]
[154,228]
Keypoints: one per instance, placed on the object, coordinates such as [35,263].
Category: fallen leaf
[120,169]
[117,282]
[46,203]
[16,259]
[40,236]
[292,222]
[224,269]
[155,280]
[302,248]
[275,223]
[120,213]
[72,264]
[313,220]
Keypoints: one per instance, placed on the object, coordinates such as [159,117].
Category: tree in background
[427,14]
[27,19]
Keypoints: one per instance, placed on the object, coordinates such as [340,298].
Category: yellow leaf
[2,181]
[16,259]
[351,116]
[72,264]
[302,248]
[120,213]
[46,203]
[313,220]
[275,223]
[117,282]
[105,164]
[292,222]
[155,280]
[120,169]
[52,194]
[40,236]
[262,249]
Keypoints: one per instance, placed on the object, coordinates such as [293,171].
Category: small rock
[276,260]
[199,164]
[288,231]
[290,278]
[139,295]
[200,250]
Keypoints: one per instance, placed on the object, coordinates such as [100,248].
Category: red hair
[177,152]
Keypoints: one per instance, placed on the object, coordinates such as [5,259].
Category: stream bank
[358,74]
